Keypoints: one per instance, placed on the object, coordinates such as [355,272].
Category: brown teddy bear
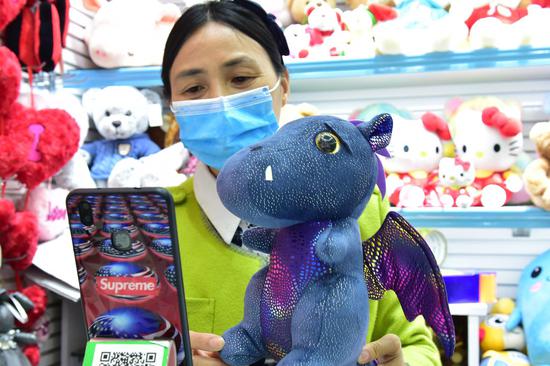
[537,173]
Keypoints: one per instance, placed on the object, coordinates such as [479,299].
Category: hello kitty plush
[487,132]
[455,179]
[416,147]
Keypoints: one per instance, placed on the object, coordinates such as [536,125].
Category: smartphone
[127,256]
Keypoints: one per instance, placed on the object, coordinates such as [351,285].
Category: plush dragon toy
[305,188]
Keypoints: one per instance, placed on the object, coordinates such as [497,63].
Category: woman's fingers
[206,341]
[206,361]
[387,350]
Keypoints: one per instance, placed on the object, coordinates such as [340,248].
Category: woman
[217,59]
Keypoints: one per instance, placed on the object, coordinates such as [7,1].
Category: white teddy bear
[157,170]
[121,116]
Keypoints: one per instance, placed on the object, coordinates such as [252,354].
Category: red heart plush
[19,240]
[15,141]
[10,78]
[9,10]
[55,137]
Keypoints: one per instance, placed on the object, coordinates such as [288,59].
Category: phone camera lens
[86,214]
[121,240]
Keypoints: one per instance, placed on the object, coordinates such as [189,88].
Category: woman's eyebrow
[242,60]
[191,72]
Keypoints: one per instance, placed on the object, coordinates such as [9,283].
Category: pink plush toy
[487,133]
[130,33]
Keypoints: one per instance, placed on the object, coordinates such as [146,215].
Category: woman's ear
[285,87]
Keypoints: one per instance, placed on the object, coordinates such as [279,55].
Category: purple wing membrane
[397,258]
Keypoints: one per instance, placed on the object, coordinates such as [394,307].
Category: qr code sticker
[128,355]
[128,359]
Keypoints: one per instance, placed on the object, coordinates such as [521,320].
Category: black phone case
[128,265]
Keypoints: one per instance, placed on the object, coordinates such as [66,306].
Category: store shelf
[469,309]
[340,68]
[515,217]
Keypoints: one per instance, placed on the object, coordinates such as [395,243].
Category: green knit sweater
[215,277]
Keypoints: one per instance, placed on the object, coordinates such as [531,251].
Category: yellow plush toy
[493,334]
[537,173]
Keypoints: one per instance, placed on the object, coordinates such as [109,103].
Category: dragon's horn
[378,131]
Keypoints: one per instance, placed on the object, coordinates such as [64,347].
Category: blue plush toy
[533,301]
[305,187]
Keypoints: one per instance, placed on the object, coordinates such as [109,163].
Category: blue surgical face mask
[215,129]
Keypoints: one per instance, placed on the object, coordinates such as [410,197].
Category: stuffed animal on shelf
[297,9]
[323,21]
[358,24]
[309,305]
[299,41]
[14,307]
[495,25]
[537,174]
[422,26]
[120,114]
[493,334]
[504,358]
[455,180]
[416,147]
[115,39]
[534,26]
[487,132]
[75,174]
[533,300]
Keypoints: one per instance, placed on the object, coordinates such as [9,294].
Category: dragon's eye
[327,142]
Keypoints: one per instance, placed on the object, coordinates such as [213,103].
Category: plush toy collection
[414,27]
[466,158]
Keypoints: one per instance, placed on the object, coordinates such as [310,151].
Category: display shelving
[340,68]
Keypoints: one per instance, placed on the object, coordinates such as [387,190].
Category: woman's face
[218,61]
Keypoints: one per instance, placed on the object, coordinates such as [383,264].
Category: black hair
[242,15]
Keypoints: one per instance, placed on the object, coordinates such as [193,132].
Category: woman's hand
[206,349]
[386,351]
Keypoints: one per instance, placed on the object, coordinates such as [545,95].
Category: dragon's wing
[397,258]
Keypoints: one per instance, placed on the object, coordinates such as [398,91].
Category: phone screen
[125,246]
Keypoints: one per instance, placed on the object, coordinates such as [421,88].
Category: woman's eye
[327,142]
[193,90]
[239,80]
